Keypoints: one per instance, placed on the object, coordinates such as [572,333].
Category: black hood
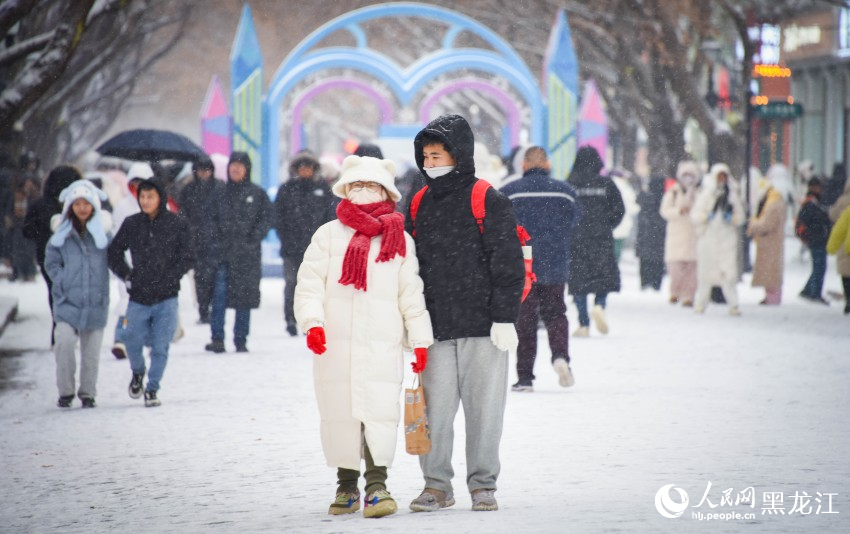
[60,178]
[155,183]
[587,165]
[459,141]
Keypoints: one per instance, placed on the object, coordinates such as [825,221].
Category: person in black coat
[593,267]
[301,206]
[652,228]
[161,252]
[813,226]
[194,201]
[240,218]
[834,186]
[473,286]
[37,221]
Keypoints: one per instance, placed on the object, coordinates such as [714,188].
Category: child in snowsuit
[359,297]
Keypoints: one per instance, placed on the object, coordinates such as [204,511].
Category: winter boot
[523,386]
[217,346]
[88,402]
[241,347]
[431,500]
[597,313]
[65,401]
[582,331]
[345,503]
[135,388]
[378,504]
[119,350]
[565,374]
[484,500]
[291,329]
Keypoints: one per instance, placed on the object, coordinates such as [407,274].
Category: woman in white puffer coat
[359,297]
[717,216]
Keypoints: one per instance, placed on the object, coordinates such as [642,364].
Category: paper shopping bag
[417,435]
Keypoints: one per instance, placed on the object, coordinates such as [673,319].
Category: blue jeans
[814,287]
[219,306]
[155,323]
[120,329]
[581,306]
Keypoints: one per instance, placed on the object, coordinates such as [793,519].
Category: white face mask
[364,196]
[688,180]
[436,172]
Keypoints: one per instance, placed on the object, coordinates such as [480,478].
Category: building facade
[816,47]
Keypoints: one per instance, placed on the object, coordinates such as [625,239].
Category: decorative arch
[385,107]
[404,83]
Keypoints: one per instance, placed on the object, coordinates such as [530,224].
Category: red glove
[421,360]
[316,340]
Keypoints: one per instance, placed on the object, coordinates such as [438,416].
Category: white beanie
[367,169]
[97,226]
[139,170]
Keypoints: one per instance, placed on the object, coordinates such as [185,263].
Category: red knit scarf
[368,221]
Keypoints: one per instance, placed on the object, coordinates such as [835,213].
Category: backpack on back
[479,211]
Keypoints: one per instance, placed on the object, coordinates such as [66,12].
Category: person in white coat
[680,252]
[360,299]
[717,216]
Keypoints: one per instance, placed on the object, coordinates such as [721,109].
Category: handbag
[417,434]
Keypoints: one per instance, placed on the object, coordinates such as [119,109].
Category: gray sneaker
[484,500]
[431,500]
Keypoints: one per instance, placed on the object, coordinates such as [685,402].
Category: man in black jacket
[302,205]
[241,218]
[194,200]
[161,252]
[473,286]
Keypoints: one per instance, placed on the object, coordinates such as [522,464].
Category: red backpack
[479,210]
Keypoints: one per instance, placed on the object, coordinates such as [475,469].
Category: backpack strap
[479,208]
[414,206]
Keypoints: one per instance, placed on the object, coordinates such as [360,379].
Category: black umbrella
[151,145]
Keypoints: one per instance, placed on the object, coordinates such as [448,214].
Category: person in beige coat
[360,299]
[839,241]
[680,245]
[767,228]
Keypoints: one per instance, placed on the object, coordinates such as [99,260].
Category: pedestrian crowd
[375,262]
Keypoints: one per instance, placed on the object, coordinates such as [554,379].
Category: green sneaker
[345,503]
[379,503]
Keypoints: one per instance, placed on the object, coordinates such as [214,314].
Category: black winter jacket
[471,279]
[813,224]
[241,217]
[652,227]
[37,221]
[194,205]
[593,268]
[301,206]
[161,251]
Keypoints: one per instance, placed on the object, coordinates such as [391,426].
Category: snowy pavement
[667,398]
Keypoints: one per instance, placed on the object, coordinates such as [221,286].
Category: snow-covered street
[667,398]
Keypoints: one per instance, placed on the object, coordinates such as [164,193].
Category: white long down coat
[717,239]
[358,380]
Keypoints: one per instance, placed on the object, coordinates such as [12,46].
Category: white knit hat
[139,170]
[367,169]
[98,226]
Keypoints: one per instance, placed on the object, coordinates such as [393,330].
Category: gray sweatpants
[66,361]
[472,371]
